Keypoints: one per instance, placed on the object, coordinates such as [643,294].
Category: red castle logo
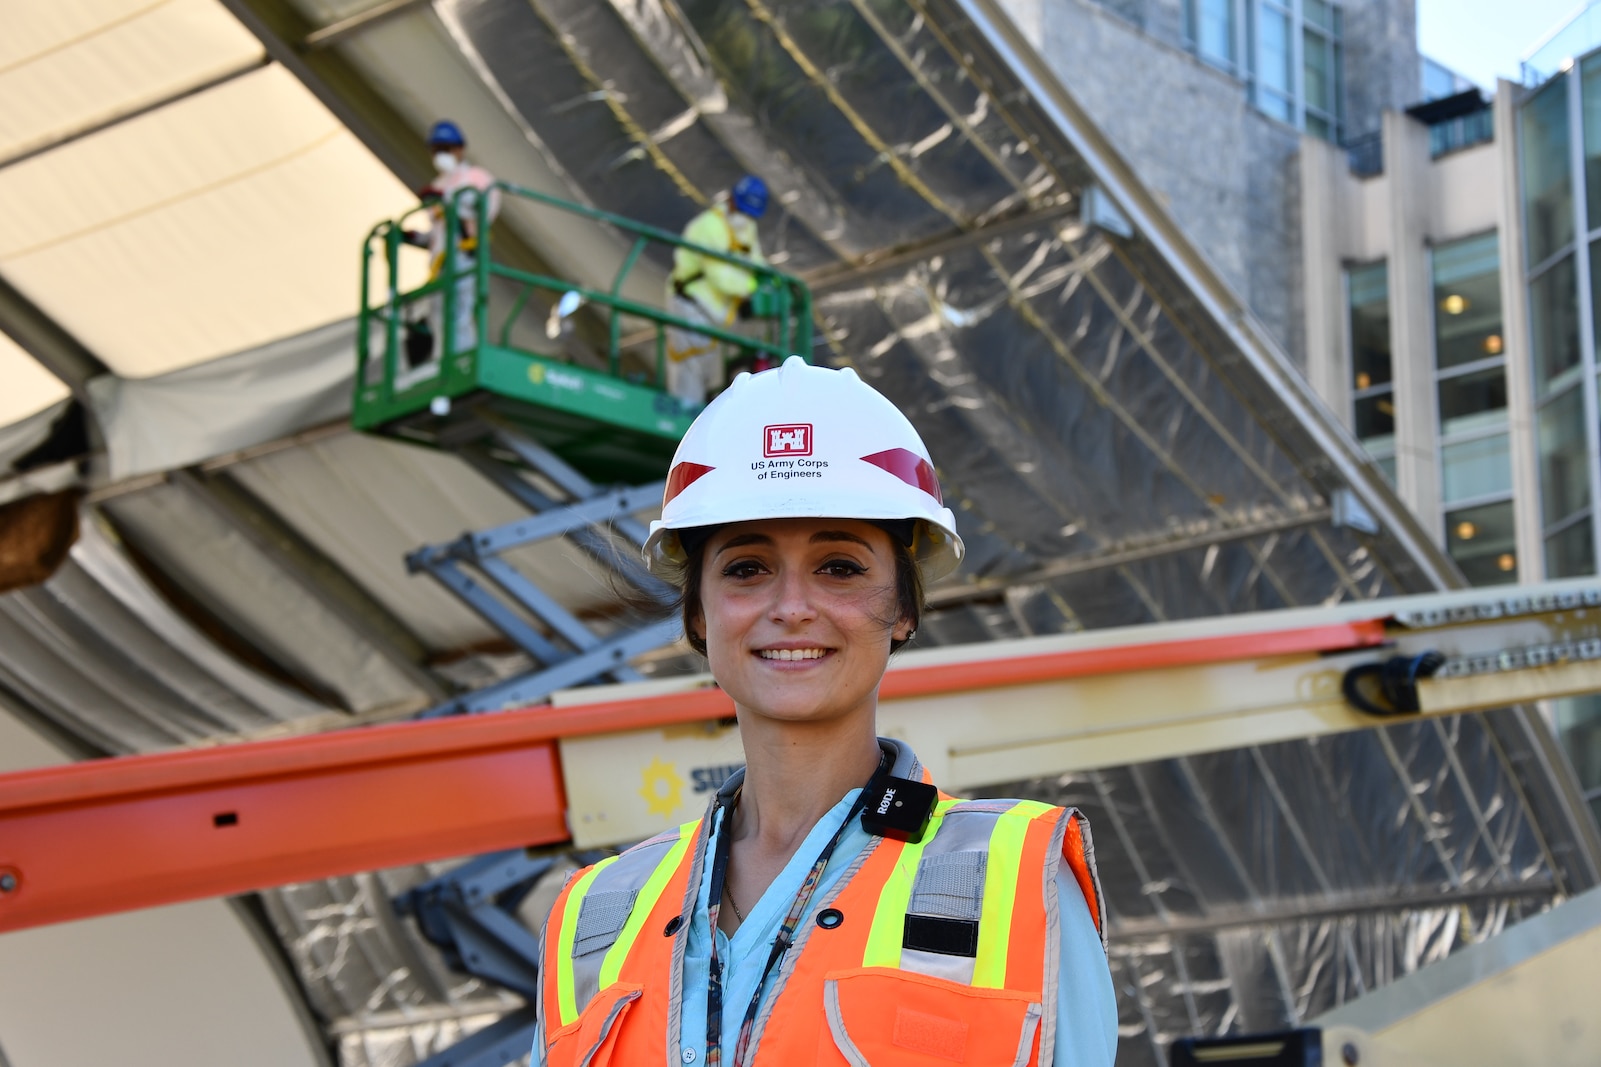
[791,439]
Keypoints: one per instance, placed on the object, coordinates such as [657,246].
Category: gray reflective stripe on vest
[949,883]
[604,909]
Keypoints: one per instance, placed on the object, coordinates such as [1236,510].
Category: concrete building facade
[1424,254]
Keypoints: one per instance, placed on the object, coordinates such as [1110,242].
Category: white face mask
[446,162]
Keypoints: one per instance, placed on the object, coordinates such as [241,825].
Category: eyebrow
[820,537]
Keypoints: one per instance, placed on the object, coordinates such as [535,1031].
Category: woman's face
[798,615]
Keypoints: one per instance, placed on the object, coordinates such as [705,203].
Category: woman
[831,907]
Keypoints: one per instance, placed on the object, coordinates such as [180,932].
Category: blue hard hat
[446,134]
[750,196]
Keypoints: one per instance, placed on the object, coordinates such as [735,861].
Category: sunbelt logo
[790,439]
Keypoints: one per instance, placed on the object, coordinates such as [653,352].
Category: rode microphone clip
[898,808]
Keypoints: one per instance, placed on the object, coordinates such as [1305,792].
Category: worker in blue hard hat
[462,183]
[712,291]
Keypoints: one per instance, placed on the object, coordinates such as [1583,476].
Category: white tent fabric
[191,415]
[26,388]
[81,63]
[222,222]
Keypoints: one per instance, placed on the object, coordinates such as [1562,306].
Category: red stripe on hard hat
[683,476]
[910,468]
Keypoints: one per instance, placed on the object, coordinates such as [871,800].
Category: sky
[1484,39]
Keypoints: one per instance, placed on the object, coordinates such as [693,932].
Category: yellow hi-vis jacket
[941,951]
[717,286]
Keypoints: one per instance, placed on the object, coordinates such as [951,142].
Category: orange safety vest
[941,951]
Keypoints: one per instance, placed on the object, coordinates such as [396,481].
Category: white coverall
[464,176]
[710,291]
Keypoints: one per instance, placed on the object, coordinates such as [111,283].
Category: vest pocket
[883,1017]
[590,1039]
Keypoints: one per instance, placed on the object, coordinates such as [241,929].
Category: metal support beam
[1185,541]
[361,20]
[843,276]
[41,337]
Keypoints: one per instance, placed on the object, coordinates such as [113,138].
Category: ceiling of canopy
[1121,442]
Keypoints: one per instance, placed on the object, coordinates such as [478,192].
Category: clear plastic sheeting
[1253,890]
[383,995]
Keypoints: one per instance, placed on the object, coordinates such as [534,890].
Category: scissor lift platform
[611,429]
[613,421]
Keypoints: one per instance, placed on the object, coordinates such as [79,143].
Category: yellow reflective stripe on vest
[645,903]
[566,999]
[889,920]
[1000,892]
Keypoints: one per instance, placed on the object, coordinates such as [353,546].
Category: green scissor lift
[572,439]
[611,419]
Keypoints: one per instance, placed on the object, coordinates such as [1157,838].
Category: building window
[1547,173]
[1470,379]
[1579,724]
[1212,31]
[1372,383]
[1294,67]
[1482,542]
[1554,322]
[1564,469]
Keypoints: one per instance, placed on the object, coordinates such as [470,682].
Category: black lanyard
[786,933]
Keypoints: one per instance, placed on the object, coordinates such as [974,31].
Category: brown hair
[686,576]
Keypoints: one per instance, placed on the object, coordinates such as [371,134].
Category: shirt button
[689,1054]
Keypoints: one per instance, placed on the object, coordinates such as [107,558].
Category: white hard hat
[804,442]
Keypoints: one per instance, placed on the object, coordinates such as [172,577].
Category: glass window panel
[1375,419]
[1369,289]
[1319,13]
[1579,726]
[1318,83]
[1215,31]
[1571,553]
[1590,92]
[1564,473]
[1273,36]
[1387,465]
[1474,401]
[1319,127]
[1554,315]
[1275,105]
[1547,177]
[1477,468]
[1482,541]
[1467,301]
